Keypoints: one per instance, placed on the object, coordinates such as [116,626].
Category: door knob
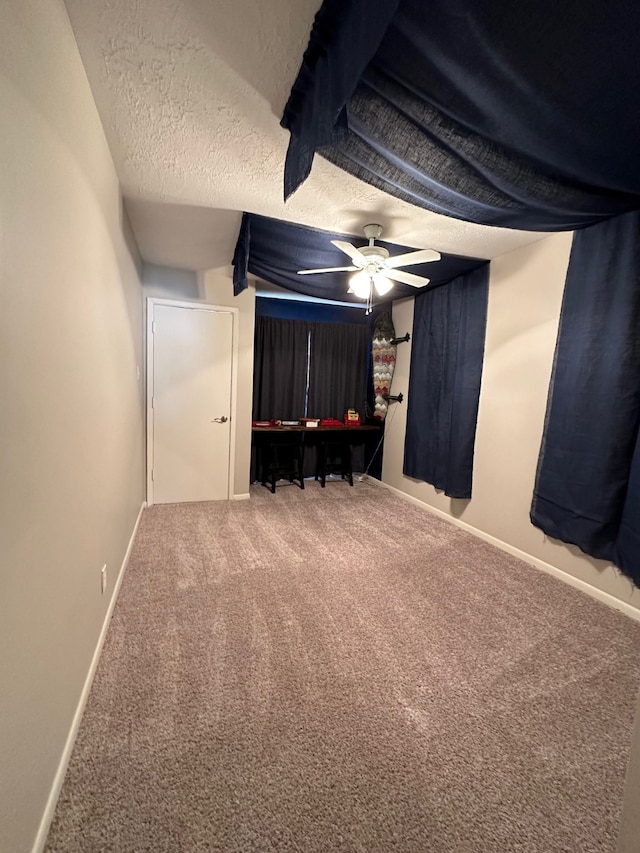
[221,420]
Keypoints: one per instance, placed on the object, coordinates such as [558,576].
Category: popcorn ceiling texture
[190,94]
[337,670]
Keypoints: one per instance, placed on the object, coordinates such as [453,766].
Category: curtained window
[338,372]
[444,383]
[301,368]
[587,489]
[281,356]
[337,368]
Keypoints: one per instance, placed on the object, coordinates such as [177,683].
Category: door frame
[151,302]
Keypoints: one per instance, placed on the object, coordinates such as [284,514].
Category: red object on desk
[330,422]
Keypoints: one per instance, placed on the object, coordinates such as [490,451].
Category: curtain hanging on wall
[240,261]
[326,361]
[338,372]
[280,369]
[447,348]
[338,368]
[485,110]
[626,551]
[510,115]
[344,38]
[587,489]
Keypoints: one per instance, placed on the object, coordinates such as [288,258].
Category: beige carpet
[337,670]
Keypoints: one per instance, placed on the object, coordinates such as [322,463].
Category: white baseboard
[242,497]
[593,591]
[47,817]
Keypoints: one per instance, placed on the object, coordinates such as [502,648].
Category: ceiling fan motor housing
[376,257]
[376,264]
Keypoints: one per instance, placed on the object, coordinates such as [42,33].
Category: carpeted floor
[337,670]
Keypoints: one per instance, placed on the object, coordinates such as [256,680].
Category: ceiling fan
[375,268]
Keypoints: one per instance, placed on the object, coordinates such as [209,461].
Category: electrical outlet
[103,578]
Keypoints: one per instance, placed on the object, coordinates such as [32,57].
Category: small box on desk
[310,422]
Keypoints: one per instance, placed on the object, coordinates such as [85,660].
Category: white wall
[629,836]
[71,414]
[215,288]
[524,305]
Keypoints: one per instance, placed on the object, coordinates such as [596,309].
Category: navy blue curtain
[587,489]
[523,116]
[241,256]
[344,37]
[491,111]
[297,309]
[626,551]
[338,374]
[444,382]
[321,367]
[280,367]
[274,251]
[339,360]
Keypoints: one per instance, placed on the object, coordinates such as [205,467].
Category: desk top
[340,428]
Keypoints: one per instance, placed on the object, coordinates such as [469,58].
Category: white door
[190,384]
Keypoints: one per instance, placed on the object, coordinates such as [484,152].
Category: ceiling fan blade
[422,256]
[329,269]
[350,250]
[407,278]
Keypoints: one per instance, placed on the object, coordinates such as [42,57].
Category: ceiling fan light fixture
[377,270]
[360,284]
[382,284]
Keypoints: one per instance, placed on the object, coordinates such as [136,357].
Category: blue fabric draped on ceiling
[522,116]
[444,382]
[495,112]
[275,251]
[587,488]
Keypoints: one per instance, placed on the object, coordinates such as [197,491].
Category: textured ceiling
[190,93]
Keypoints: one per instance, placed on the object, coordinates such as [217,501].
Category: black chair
[334,457]
[281,458]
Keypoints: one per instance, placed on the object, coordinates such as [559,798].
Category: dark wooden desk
[269,439]
[361,428]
